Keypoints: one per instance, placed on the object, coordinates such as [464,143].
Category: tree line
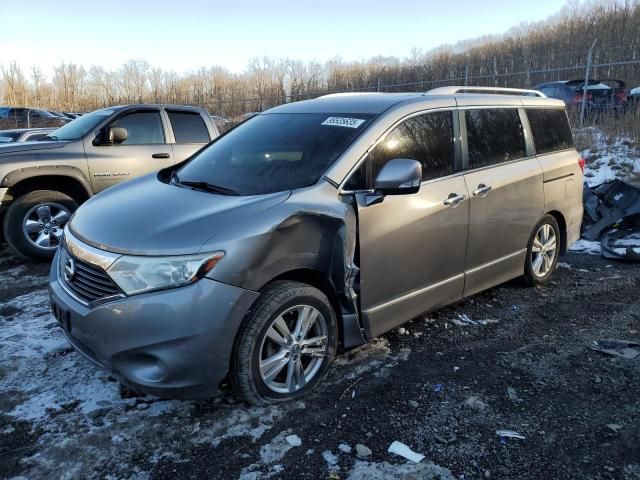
[523,57]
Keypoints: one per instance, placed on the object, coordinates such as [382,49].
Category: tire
[22,237]
[541,262]
[282,300]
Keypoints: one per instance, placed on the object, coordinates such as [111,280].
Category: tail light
[578,97]
[621,96]
[581,162]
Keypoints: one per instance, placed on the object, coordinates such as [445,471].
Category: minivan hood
[148,217]
[22,147]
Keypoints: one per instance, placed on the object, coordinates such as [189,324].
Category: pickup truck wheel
[286,344]
[33,223]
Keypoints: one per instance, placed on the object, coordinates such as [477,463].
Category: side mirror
[116,135]
[399,176]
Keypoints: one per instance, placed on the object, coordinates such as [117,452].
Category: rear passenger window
[426,138]
[494,135]
[550,129]
[188,127]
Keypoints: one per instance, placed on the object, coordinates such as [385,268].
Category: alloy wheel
[293,349]
[544,250]
[44,223]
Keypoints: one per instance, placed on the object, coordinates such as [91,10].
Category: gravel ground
[441,388]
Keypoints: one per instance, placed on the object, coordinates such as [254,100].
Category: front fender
[19,174]
[313,230]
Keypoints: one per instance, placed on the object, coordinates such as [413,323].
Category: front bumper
[173,343]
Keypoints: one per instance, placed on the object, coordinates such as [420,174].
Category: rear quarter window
[188,127]
[550,129]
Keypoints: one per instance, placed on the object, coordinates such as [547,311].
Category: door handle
[160,155]
[454,199]
[482,190]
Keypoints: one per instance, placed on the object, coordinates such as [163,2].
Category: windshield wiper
[201,185]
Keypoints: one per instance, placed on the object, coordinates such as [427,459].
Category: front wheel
[285,345]
[34,222]
[543,251]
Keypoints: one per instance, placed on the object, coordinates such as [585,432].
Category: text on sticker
[343,122]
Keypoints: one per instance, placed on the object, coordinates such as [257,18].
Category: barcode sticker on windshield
[343,122]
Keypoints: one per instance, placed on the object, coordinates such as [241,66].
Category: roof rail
[494,90]
[347,94]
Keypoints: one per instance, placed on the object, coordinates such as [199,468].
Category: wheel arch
[319,280]
[562,224]
[69,184]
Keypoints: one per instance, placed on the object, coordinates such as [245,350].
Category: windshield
[79,127]
[274,152]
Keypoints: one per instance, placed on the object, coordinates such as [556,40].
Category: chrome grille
[88,282]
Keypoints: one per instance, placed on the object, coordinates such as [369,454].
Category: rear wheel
[285,345]
[543,251]
[33,223]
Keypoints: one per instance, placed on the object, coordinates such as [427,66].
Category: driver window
[143,128]
[426,138]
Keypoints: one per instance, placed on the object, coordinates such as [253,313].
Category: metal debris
[618,348]
[509,434]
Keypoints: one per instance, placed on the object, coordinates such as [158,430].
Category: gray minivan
[312,228]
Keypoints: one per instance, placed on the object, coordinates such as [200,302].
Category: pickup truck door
[189,132]
[146,149]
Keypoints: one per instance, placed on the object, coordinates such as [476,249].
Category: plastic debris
[607,204]
[509,434]
[618,348]
[403,450]
[414,404]
[363,451]
[438,387]
[293,440]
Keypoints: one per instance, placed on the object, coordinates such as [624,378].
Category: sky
[187,34]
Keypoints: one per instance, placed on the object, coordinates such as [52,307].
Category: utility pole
[466,75]
[586,83]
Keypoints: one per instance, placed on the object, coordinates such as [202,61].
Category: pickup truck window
[188,127]
[143,128]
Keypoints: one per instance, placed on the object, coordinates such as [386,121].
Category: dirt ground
[440,388]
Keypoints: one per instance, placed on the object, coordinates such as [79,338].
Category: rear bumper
[174,343]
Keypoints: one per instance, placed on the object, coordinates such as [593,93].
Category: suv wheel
[543,251]
[34,222]
[285,345]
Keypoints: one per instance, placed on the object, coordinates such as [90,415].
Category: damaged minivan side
[312,228]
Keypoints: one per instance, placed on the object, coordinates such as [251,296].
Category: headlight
[142,274]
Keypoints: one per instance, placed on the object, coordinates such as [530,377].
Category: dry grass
[608,127]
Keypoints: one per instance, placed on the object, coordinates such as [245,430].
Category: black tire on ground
[530,277]
[279,296]
[14,217]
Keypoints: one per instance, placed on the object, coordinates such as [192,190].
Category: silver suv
[42,183]
[312,228]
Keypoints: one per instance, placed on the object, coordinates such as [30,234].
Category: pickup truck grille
[88,282]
